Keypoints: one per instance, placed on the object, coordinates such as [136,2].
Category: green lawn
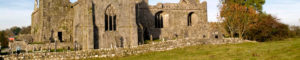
[288,49]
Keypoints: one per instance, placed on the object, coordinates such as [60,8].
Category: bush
[267,28]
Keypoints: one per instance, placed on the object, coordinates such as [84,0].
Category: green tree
[25,30]
[256,4]
[15,30]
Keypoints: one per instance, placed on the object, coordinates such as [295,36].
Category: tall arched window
[110,19]
[159,20]
[189,20]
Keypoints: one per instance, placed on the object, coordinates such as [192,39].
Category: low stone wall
[158,46]
[38,47]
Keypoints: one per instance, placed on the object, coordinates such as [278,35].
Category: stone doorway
[192,18]
[60,36]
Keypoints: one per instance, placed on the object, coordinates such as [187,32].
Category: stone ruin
[97,24]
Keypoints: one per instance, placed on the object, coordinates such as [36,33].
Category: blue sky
[18,12]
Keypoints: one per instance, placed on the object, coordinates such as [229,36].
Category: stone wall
[83,24]
[175,20]
[158,46]
[25,37]
[41,46]
[36,25]
[89,24]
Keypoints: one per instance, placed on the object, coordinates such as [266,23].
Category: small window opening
[114,23]
[106,22]
[216,36]
[60,37]
[110,23]
[121,42]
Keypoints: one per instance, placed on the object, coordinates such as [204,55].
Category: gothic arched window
[110,19]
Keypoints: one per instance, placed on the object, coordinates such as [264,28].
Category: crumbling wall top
[183,4]
[189,2]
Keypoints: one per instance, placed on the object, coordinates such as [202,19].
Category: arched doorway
[192,18]
[161,19]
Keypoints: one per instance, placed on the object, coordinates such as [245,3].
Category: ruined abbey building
[95,24]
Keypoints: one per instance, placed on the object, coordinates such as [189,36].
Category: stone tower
[51,21]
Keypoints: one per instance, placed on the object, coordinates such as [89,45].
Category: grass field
[288,49]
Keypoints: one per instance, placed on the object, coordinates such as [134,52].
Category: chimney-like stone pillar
[36,4]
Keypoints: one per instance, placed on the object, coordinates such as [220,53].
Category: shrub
[267,28]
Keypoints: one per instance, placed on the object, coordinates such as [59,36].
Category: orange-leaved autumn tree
[236,18]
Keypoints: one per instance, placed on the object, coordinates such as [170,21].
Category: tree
[236,18]
[256,4]
[244,18]
[3,39]
[15,30]
[25,30]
